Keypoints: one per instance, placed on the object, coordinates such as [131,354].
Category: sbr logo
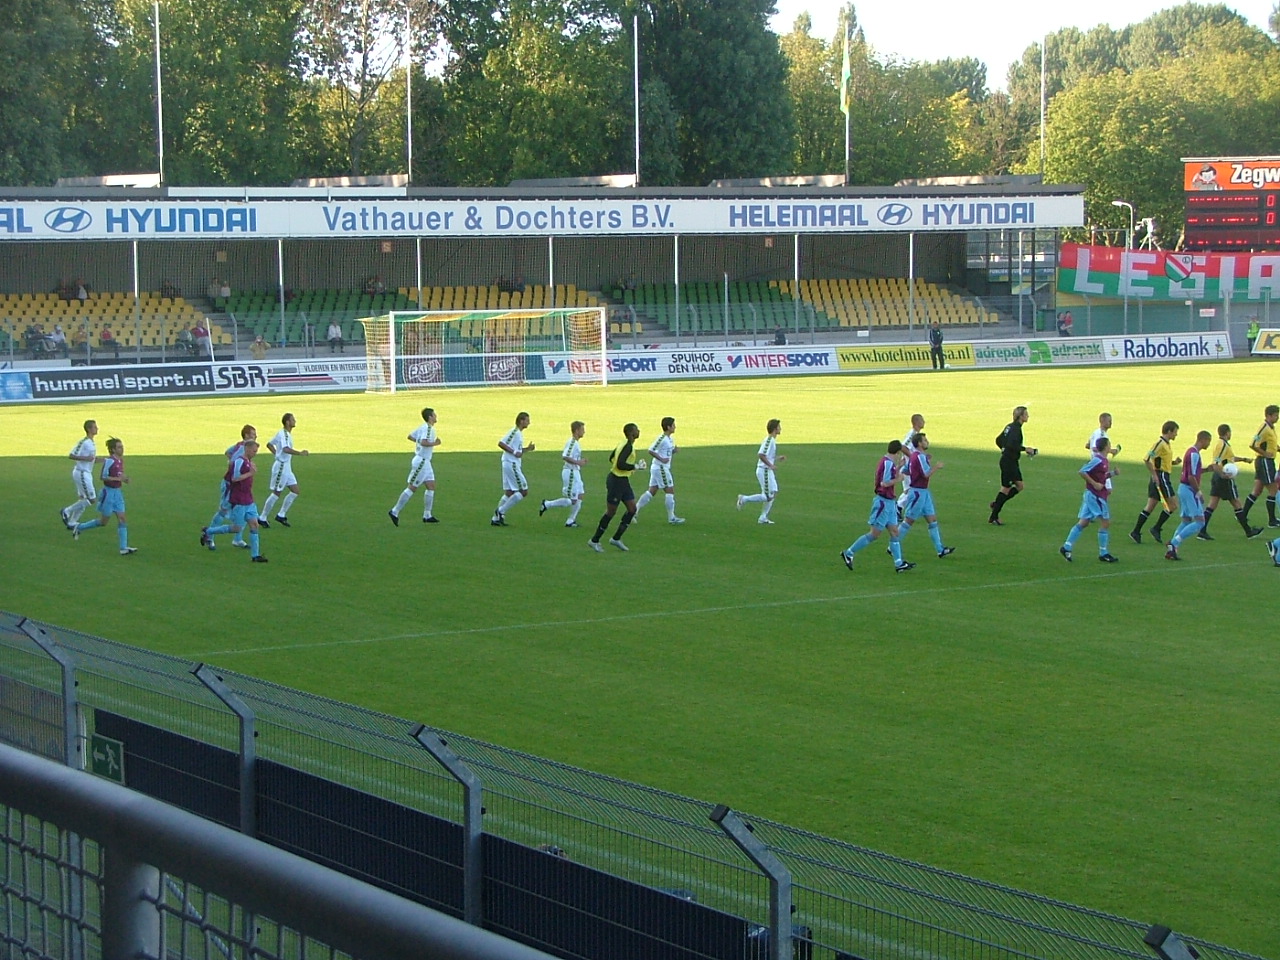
[68,219]
[734,361]
[555,365]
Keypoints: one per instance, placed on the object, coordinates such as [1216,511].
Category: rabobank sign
[1172,347]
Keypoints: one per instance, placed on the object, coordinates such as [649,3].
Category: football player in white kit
[660,477]
[421,472]
[908,448]
[570,475]
[1104,424]
[514,485]
[84,455]
[767,461]
[282,477]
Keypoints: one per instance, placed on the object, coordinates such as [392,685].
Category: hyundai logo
[894,214]
[68,219]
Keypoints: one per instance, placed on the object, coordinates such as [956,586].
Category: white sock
[428,502]
[644,498]
[78,508]
[573,513]
[671,506]
[405,494]
[288,501]
[755,498]
[266,507]
[502,504]
[764,512]
[511,502]
[559,502]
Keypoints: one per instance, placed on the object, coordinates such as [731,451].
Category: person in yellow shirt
[618,490]
[1264,466]
[1160,462]
[1222,487]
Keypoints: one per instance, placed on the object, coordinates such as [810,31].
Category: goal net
[411,349]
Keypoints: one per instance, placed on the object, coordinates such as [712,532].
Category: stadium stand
[763,305]
[155,320]
[259,313]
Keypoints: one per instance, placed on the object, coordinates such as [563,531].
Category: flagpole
[155,7]
[846,78]
[635,73]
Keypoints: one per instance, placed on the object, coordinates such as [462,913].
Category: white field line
[1161,571]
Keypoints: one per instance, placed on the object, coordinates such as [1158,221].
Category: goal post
[414,349]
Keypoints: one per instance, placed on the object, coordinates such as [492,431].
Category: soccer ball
[1229,470]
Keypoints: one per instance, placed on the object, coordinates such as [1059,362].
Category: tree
[726,78]
[814,89]
[355,45]
[551,100]
[45,49]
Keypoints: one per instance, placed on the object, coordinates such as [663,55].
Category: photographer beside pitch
[1011,450]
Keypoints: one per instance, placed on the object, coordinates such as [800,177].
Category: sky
[995,31]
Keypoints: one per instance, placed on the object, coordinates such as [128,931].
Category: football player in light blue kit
[1190,501]
[1096,505]
[884,511]
[919,498]
[244,510]
[223,514]
[111,500]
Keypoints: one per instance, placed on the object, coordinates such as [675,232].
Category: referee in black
[617,485]
[1011,451]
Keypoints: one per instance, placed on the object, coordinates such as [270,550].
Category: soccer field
[1099,734]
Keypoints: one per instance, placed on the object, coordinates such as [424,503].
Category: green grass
[1103,735]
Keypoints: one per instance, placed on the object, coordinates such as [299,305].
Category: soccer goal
[413,349]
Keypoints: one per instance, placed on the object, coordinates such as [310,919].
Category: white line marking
[699,611]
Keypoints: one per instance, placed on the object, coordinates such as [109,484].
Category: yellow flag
[846,75]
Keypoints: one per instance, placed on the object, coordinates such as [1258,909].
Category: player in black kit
[1011,451]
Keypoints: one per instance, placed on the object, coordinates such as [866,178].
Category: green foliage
[551,101]
[45,51]
[1000,712]
[1122,134]
[726,79]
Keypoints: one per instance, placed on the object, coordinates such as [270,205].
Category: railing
[92,869]
[847,900]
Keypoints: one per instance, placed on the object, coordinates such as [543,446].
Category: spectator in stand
[203,342]
[374,285]
[80,340]
[224,294]
[82,290]
[58,340]
[780,337]
[186,340]
[211,291]
[259,348]
[107,340]
[1065,323]
[168,289]
[334,336]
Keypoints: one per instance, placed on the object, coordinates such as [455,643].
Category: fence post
[130,919]
[70,707]
[780,945]
[473,830]
[248,750]
[70,749]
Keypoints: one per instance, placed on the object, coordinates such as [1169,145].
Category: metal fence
[89,869]
[843,901]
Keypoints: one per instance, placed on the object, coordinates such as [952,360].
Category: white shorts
[83,479]
[571,482]
[660,475]
[768,481]
[281,476]
[420,472]
[513,477]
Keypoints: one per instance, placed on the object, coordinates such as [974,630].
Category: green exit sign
[106,758]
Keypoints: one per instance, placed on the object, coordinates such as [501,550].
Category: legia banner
[1165,275]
